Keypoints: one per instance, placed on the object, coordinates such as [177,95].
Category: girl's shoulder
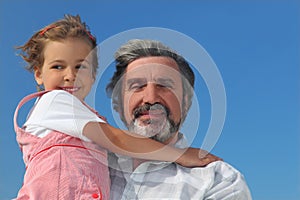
[58,96]
[56,93]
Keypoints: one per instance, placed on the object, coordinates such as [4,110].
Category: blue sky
[254,44]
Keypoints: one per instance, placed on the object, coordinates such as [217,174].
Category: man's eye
[136,86]
[170,86]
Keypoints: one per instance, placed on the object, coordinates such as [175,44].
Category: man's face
[152,97]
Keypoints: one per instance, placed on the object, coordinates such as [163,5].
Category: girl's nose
[70,75]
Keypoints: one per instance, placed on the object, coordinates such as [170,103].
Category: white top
[60,111]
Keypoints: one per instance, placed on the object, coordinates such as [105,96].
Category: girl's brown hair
[68,27]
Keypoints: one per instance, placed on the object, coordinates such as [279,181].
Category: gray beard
[156,130]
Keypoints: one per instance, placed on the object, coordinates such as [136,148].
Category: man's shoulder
[223,172]
[224,168]
[214,169]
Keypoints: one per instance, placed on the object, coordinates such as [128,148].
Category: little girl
[64,141]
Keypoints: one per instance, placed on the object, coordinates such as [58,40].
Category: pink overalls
[59,166]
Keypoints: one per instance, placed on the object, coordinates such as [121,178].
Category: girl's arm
[133,145]
[61,111]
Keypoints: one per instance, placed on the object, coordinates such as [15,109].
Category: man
[152,91]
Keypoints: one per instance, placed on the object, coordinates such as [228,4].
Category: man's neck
[171,141]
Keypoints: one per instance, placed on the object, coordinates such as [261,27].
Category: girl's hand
[193,157]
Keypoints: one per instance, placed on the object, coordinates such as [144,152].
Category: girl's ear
[38,75]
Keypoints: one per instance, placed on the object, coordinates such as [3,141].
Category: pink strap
[22,102]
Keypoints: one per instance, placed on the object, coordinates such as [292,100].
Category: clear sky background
[255,45]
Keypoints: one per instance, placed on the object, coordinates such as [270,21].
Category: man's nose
[70,74]
[151,94]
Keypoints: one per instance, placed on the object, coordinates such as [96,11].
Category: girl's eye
[57,67]
[81,67]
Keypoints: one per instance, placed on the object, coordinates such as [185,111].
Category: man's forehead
[152,61]
[153,71]
[150,67]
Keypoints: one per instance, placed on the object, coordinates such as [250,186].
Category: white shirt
[61,111]
[164,180]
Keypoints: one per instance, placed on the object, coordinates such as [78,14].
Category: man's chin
[145,129]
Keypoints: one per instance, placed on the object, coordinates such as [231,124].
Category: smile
[70,89]
[150,117]
[153,114]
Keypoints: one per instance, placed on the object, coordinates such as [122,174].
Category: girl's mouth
[70,89]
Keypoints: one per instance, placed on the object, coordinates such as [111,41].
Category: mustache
[146,107]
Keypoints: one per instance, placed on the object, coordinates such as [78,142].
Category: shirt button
[95,196]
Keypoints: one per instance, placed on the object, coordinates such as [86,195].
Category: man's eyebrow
[165,80]
[135,80]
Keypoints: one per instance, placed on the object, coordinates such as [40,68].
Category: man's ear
[119,109]
[38,75]
[186,104]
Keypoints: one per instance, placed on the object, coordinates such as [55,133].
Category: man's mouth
[147,112]
[152,114]
[153,121]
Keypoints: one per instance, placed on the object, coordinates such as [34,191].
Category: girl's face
[67,66]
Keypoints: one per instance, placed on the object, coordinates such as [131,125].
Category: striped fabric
[164,180]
